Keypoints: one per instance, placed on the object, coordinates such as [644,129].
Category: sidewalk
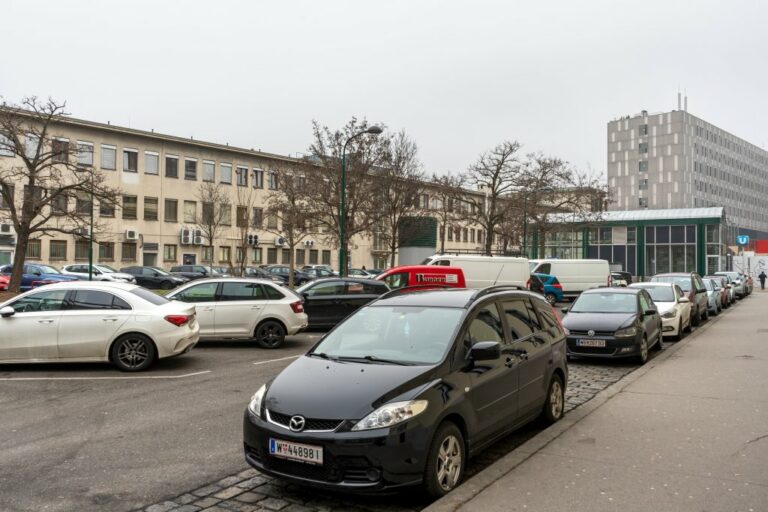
[687,432]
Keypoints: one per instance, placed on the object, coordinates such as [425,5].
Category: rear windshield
[149,296]
[605,303]
[660,293]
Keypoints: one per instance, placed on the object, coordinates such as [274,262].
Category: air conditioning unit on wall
[279,241]
[7,229]
[186,236]
[309,243]
[131,234]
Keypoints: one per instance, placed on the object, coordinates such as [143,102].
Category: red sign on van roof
[420,275]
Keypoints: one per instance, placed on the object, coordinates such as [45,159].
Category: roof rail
[416,287]
[495,288]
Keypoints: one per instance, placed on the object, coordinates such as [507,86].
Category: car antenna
[498,275]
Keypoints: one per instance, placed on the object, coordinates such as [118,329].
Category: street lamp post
[90,237]
[373,130]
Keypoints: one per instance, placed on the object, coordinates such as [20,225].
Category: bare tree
[363,202]
[496,175]
[401,183]
[288,208]
[245,222]
[216,212]
[50,172]
[446,191]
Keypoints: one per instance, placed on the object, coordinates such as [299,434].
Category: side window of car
[548,319]
[205,292]
[535,323]
[42,301]
[699,283]
[375,289]
[486,326]
[518,319]
[678,292]
[645,302]
[398,280]
[146,271]
[241,291]
[272,293]
[329,288]
[355,288]
[93,299]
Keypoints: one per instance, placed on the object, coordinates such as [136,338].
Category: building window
[171,210]
[239,255]
[58,250]
[226,173]
[643,202]
[271,256]
[7,148]
[82,250]
[242,217]
[59,204]
[169,252]
[258,178]
[271,221]
[313,256]
[258,218]
[326,257]
[643,147]
[130,207]
[480,236]
[285,256]
[424,201]
[128,251]
[226,214]
[300,256]
[151,163]
[209,171]
[643,129]
[225,254]
[643,184]
[108,157]
[130,160]
[106,251]
[207,213]
[150,208]
[472,235]
[190,169]
[33,249]
[207,253]
[171,166]
[60,150]
[242,176]
[272,180]
[190,211]
[256,254]
[466,235]
[106,209]
[83,205]
[84,154]
[642,166]
[450,234]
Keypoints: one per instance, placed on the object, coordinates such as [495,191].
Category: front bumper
[614,347]
[669,326]
[364,462]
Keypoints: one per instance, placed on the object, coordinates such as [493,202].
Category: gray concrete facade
[677,160]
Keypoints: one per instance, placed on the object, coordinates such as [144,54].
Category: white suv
[98,273]
[244,308]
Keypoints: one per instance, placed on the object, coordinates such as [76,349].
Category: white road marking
[109,378]
[279,359]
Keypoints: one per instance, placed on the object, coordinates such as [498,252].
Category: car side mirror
[649,312]
[564,310]
[305,295]
[701,290]
[684,300]
[7,311]
[485,351]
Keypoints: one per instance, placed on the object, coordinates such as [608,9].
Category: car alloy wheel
[643,357]
[270,334]
[449,460]
[445,462]
[551,298]
[554,406]
[133,352]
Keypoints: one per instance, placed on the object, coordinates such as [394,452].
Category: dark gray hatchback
[403,391]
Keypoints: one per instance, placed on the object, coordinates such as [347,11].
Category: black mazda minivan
[403,391]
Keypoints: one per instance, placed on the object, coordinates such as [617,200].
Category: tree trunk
[392,249]
[22,240]
[488,242]
[291,264]
[442,240]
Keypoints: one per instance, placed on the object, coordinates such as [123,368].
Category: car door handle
[208,309]
[522,354]
[45,321]
[109,319]
[255,307]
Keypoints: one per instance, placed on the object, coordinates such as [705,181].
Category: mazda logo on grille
[297,423]
[590,332]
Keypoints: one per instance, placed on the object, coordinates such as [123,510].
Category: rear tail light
[297,306]
[178,320]
[610,280]
[557,285]
[528,284]
[560,322]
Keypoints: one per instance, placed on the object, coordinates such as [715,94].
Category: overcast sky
[459,76]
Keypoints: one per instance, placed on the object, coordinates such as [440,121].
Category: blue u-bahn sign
[742,239]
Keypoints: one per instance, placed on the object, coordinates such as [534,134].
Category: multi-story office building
[159,177]
[677,160]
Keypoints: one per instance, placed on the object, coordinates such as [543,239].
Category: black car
[407,388]
[693,286]
[260,273]
[329,301]
[613,322]
[192,272]
[282,271]
[154,278]
[618,275]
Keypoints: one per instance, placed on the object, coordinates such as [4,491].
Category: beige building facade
[159,177]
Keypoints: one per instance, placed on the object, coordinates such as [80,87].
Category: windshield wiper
[375,359]
[322,355]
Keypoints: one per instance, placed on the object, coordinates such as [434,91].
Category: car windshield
[149,296]
[160,271]
[605,303]
[683,282]
[660,293]
[414,335]
[709,285]
[106,269]
[49,270]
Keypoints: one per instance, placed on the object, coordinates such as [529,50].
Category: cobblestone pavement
[250,490]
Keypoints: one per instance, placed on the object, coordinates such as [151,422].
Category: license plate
[590,343]
[296,451]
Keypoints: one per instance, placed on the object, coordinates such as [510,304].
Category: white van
[482,271]
[575,275]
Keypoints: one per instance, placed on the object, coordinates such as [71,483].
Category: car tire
[133,352]
[166,285]
[696,319]
[642,357]
[551,298]
[445,461]
[706,314]
[301,282]
[270,334]
[554,405]
[679,334]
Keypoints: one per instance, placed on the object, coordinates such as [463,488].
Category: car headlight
[566,331]
[255,404]
[672,313]
[391,414]
[627,331]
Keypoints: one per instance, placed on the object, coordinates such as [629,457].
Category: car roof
[448,297]
[646,284]
[363,280]
[230,280]
[628,290]
[106,285]
[674,274]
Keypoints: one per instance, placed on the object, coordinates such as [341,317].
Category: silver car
[737,284]
[98,273]
[714,301]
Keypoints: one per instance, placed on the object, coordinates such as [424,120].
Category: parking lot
[88,437]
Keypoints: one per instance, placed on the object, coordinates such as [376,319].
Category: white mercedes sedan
[674,307]
[78,321]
